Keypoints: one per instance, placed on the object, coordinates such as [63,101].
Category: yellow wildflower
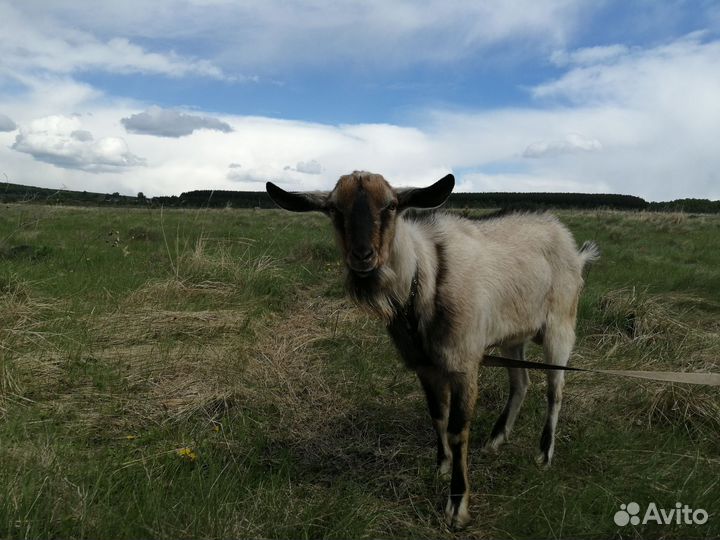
[187,454]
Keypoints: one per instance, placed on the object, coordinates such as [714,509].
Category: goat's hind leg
[558,343]
[463,393]
[437,393]
[519,381]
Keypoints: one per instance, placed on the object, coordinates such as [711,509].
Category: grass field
[199,374]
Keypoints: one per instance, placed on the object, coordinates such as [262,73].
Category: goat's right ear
[429,197]
[297,202]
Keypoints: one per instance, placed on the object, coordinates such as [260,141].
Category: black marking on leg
[551,399]
[441,457]
[433,400]
[458,418]
[501,423]
[457,482]
[436,413]
[546,439]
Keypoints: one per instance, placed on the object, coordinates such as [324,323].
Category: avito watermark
[681,514]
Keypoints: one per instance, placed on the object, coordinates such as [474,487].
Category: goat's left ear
[297,202]
[429,197]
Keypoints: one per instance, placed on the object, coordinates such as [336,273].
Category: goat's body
[500,281]
[448,288]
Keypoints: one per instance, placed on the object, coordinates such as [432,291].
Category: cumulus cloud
[171,123]
[573,142]
[6,124]
[306,167]
[252,176]
[60,141]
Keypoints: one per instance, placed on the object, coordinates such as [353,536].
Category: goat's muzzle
[362,262]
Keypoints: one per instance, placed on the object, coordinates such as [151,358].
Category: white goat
[448,288]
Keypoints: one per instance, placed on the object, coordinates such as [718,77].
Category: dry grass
[23,321]
[694,409]
[208,258]
[22,314]
[654,327]
[173,365]
[147,325]
[649,332]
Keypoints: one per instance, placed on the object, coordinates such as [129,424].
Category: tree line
[15,193]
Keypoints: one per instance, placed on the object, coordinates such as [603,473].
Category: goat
[447,289]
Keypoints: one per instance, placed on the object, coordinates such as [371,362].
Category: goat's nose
[363,254]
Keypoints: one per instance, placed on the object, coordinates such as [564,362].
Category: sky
[162,97]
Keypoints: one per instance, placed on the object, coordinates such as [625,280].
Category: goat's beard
[374,292]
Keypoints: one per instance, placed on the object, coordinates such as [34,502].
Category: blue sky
[559,95]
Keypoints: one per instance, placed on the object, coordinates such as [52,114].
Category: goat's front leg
[437,393]
[463,393]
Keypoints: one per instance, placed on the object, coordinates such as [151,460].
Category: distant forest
[16,193]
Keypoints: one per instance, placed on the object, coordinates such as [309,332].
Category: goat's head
[364,210]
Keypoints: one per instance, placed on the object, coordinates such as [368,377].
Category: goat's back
[505,275]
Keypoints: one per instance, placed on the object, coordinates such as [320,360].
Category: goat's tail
[589,253]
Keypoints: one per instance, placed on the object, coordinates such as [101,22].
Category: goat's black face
[364,209]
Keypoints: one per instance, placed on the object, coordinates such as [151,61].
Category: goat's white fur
[507,278]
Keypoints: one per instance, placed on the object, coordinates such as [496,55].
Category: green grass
[128,335]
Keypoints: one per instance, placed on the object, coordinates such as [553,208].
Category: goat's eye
[391,207]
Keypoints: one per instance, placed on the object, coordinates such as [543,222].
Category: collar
[406,312]
[413,289]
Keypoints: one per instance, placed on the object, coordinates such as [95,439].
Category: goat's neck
[391,289]
[402,263]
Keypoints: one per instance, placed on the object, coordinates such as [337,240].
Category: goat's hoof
[444,469]
[543,461]
[457,518]
[493,445]
[457,521]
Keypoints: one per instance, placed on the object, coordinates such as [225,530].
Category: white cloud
[643,78]
[573,142]
[6,123]
[60,141]
[274,36]
[171,123]
[31,42]
[307,167]
[527,183]
[251,176]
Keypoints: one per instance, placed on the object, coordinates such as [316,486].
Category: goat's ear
[297,202]
[429,197]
